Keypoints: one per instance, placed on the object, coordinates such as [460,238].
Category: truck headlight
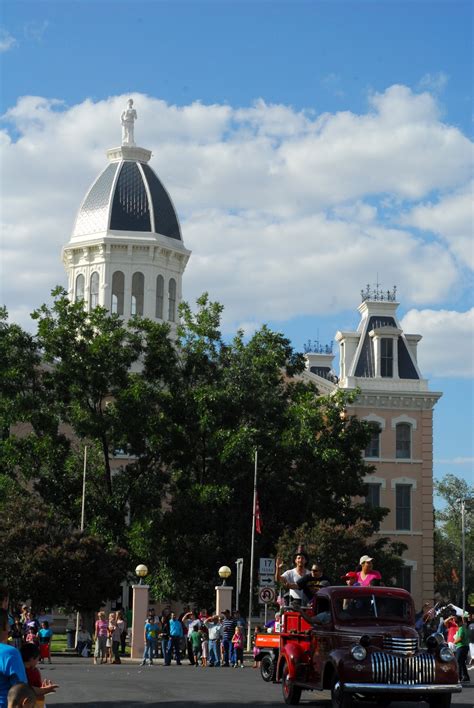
[445,654]
[358,652]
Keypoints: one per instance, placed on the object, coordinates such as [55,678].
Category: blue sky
[363,110]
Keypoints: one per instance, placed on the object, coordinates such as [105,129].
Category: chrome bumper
[401,688]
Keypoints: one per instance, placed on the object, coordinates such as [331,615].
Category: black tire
[268,667]
[339,699]
[442,700]
[291,693]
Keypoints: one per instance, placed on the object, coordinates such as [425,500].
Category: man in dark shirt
[310,584]
[228,629]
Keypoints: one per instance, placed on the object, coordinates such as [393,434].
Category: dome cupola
[126,250]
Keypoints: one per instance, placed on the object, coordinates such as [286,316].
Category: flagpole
[249,622]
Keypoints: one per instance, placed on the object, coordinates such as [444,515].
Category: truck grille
[400,645]
[390,668]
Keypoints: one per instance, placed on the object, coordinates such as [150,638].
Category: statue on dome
[128,118]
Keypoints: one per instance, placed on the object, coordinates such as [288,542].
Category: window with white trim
[118,292]
[172,300]
[403,507]
[80,287]
[373,448]
[373,494]
[404,578]
[94,292]
[403,441]
[138,289]
[160,292]
[386,357]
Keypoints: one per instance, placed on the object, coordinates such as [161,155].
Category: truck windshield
[370,607]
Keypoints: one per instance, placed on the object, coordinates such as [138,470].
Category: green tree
[447,548]
[44,558]
[225,399]
[338,547]
[90,355]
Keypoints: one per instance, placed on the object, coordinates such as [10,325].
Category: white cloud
[447,348]
[7,41]
[35,29]
[285,211]
[455,461]
[452,218]
[434,82]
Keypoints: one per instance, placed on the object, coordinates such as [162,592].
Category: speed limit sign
[266,595]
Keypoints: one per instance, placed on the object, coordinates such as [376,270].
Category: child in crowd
[30,654]
[101,631]
[238,644]
[152,629]
[31,636]
[196,637]
[21,696]
[16,633]
[204,645]
[45,635]
[255,650]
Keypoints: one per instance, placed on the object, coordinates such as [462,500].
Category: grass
[59,642]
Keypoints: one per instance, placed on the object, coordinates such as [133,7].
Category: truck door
[320,638]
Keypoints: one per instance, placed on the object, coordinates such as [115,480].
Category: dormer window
[386,357]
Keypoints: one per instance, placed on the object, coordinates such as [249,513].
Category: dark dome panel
[130,208]
[166,221]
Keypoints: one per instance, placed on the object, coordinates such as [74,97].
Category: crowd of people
[205,639]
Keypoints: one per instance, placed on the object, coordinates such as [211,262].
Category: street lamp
[141,571]
[224,573]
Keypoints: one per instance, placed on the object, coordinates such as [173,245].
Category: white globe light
[141,570]
[224,571]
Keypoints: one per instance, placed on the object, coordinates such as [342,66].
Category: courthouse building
[380,360]
[127,254]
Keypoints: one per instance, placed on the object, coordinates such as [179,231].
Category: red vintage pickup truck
[359,643]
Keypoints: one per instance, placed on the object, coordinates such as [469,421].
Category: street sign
[266,595]
[266,581]
[267,566]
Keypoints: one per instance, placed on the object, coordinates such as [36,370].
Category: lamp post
[462,502]
[224,591]
[141,571]
[139,609]
[224,573]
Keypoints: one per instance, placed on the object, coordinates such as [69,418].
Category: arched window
[172,300]
[138,288]
[373,448]
[94,293]
[80,285]
[160,291]
[403,441]
[118,288]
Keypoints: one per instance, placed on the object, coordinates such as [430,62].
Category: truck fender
[293,654]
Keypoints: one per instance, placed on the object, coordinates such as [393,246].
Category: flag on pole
[258,518]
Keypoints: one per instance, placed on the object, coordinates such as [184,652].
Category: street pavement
[131,686]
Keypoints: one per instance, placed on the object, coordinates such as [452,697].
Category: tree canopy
[448,552]
[171,427]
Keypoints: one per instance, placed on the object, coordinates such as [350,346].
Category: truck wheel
[267,667]
[291,693]
[338,697]
[442,700]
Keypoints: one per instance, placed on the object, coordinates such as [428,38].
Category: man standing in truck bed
[289,579]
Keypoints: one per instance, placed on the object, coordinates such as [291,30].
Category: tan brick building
[380,360]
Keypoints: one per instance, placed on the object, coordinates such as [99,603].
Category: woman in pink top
[101,632]
[366,575]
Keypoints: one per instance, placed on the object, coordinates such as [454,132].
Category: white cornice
[410,400]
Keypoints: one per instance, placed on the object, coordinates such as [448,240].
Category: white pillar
[223,598]
[140,611]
